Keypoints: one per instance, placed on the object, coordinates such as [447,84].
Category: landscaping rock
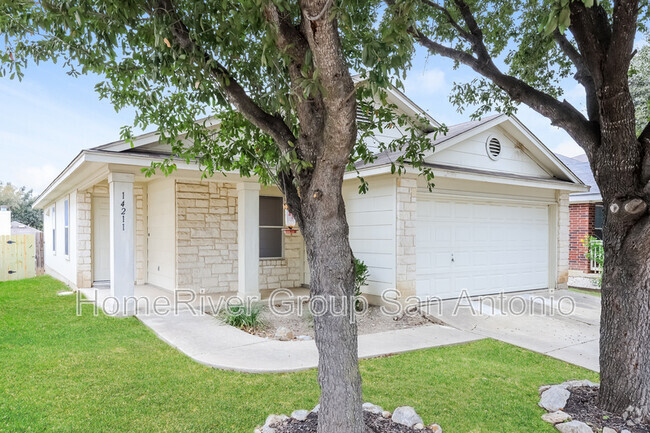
[386,414]
[573,427]
[419,426]
[554,398]
[609,430]
[300,415]
[283,334]
[579,384]
[435,428]
[316,408]
[556,417]
[304,338]
[407,416]
[373,408]
[272,420]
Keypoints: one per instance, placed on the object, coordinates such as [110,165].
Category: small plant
[361,275]
[594,247]
[242,317]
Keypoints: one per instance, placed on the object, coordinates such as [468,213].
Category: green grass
[586,292]
[63,373]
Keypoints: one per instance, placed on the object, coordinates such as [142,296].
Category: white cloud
[429,82]
[568,148]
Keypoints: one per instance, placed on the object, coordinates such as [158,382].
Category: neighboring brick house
[585,216]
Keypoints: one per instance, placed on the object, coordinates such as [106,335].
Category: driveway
[563,324]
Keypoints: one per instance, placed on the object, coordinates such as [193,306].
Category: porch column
[122,254]
[248,238]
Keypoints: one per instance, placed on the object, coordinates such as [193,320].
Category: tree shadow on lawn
[69,373]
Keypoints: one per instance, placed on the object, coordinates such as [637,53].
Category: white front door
[101,239]
[483,247]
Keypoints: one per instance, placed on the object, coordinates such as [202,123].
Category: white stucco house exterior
[497,220]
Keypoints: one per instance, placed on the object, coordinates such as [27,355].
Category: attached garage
[480,246]
[496,220]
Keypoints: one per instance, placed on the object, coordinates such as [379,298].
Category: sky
[49,117]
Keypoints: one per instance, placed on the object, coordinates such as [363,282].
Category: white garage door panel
[482,247]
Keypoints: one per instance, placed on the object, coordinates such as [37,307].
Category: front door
[101,237]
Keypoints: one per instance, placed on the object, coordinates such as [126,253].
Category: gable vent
[362,117]
[493,147]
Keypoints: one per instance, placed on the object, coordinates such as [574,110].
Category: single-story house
[497,220]
[586,218]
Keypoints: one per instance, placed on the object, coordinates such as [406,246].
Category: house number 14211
[123,212]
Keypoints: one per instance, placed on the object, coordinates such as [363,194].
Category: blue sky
[46,119]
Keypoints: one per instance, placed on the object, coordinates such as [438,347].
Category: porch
[184,233]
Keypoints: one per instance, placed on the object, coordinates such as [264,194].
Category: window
[271,223]
[599,218]
[54,228]
[66,226]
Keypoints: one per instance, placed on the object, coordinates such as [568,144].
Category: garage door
[482,247]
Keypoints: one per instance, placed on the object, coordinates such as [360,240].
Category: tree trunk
[625,319]
[332,284]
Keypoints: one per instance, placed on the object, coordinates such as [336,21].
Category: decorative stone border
[553,398]
[404,415]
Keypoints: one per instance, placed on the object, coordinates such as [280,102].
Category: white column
[122,251]
[248,238]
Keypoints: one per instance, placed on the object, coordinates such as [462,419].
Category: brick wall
[582,216]
[405,236]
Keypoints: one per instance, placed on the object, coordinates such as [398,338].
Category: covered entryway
[482,246]
[101,240]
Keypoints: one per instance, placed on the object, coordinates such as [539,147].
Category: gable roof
[582,169]
[462,131]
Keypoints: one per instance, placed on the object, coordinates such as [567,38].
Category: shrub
[242,317]
[361,275]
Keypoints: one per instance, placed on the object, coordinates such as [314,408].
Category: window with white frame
[54,228]
[271,224]
[66,226]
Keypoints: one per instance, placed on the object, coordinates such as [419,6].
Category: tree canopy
[19,201]
[186,65]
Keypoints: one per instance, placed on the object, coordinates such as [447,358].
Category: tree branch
[463,33]
[561,114]
[583,75]
[270,124]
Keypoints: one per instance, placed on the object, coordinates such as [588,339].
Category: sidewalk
[209,341]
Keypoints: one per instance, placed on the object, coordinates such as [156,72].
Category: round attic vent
[493,147]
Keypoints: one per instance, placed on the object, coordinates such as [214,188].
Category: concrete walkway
[542,328]
[209,341]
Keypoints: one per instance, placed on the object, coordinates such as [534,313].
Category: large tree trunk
[332,285]
[625,320]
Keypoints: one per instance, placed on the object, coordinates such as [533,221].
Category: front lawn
[60,372]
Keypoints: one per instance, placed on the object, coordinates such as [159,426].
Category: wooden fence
[21,256]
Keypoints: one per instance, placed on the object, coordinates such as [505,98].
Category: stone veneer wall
[140,196]
[84,240]
[206,236]
[405,235]
[287,272]
[563,240]
[206,242]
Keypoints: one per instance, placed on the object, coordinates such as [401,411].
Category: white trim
[487,197]
[482,177]
[592,197]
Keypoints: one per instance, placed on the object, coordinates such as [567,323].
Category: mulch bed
[375,423]
[583,406]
